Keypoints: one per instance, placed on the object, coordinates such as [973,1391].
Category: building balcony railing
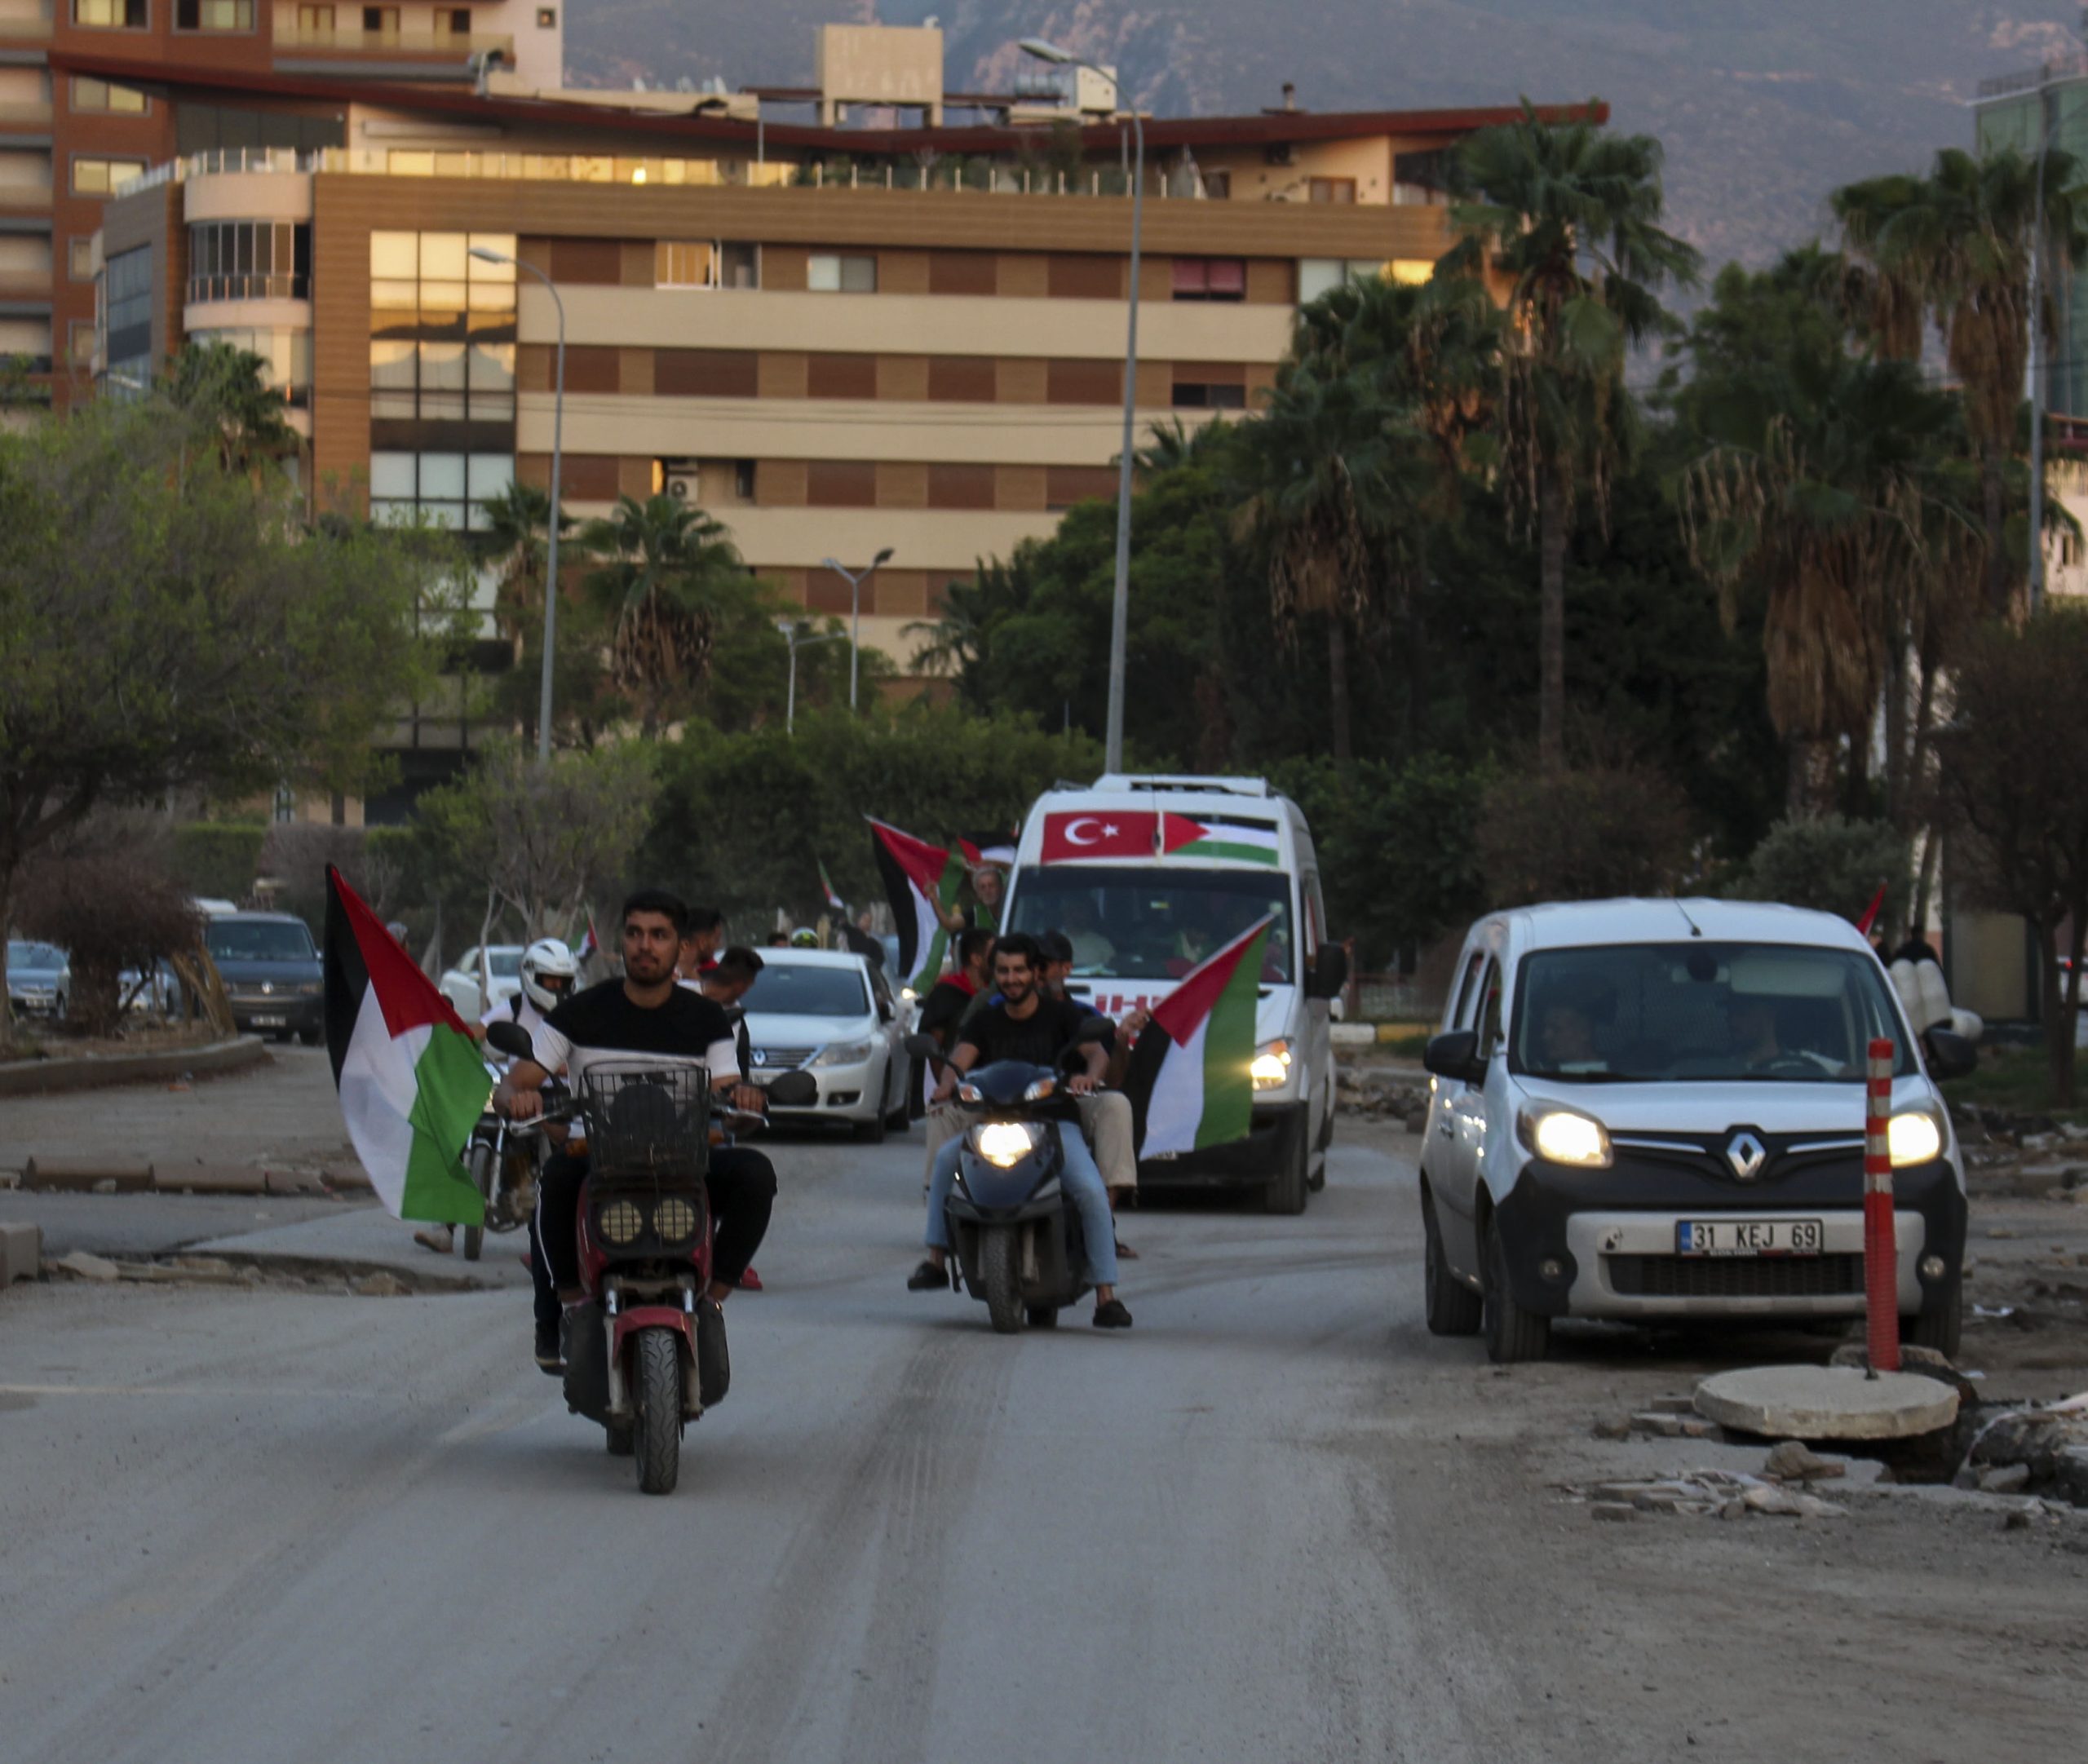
[347,40]
[204,288]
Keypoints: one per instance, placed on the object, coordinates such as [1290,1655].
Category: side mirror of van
[1950,1055]
[1330,972]
[1456,1056]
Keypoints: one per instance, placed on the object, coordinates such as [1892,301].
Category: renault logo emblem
[1747,1155]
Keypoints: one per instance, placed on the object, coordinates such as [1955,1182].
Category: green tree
[224,389]
[1570,216]
[1831,863]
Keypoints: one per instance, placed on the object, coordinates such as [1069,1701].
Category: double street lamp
[796,641]
[486,254]
[1119,609]
[855,579]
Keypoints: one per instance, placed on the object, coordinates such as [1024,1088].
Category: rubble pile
[1382,1094]
[2034,1450]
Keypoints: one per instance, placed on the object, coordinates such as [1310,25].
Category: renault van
[1147,876]
[1654,1110]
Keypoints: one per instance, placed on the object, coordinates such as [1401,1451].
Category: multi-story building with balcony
[839,339]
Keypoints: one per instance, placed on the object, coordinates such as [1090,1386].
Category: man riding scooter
[643,1015]
[1028,1026]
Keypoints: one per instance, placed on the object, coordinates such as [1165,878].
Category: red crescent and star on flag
[1132,833]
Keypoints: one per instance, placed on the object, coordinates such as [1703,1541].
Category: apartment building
[838,339]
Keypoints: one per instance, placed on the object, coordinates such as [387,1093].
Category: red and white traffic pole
[1881,1252]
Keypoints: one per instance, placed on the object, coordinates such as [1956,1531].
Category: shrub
[218,859]
[1829,862]
[109,912]
[1582,835]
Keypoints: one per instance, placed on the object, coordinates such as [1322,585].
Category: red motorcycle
[643,1355]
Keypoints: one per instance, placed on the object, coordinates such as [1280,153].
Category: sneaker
[751,1282]
[442,1240]
[550,1358]
[1125,1252]
[930,1277]
[1113,1316]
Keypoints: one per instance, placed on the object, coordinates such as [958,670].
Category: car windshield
[505,962]
[21,955]
[259,940]
[1147,924]
[1773,1012]
[799,989]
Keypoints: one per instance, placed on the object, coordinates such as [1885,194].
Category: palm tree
[1959,244]
[224,389]
[517,533]
[1571,215]
[666,565]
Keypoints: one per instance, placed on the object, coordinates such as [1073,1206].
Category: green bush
[1831,863]
[218,858]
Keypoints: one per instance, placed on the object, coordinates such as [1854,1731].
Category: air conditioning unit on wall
[682,480]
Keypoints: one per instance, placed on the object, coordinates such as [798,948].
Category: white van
[1651,1110]
[1147,876]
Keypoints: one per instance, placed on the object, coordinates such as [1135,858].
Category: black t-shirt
[1036,1041]
[944,1009]
[603,1023]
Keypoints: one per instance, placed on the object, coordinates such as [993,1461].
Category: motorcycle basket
[646,1121]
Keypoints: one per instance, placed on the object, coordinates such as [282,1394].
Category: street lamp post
[855,580]
[795,642]
[1120,604]
[487,254]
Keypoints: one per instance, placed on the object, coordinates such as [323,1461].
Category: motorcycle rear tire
[997,1251]
[657,1434]
[475,1240]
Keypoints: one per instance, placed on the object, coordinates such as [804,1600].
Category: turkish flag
[1069,837]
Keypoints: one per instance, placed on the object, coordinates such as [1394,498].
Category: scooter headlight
[674,1219]
[620,1222]
[1004,1143]
[1271,1070]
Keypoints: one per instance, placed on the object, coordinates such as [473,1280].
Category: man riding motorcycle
[643,1016]
[549,974]
[1029,1026]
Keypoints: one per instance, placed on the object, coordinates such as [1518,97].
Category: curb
[37,1077]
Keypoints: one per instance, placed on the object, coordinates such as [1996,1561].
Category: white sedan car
[830,1013]
[465,984]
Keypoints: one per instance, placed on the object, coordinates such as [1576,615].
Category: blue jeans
[1078,1175]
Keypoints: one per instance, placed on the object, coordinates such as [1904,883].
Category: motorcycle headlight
[1271,1070]
[620,1222]
[1913,1137]
[1004,1143]
[1043,1088]
[842,1054]
[1564,1136]
[674,1219]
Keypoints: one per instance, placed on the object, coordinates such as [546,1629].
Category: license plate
[1747,1237]
[269,1023]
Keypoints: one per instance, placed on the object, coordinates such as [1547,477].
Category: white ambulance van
[1148,875]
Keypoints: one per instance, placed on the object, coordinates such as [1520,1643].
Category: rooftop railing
[2073,67]
[346,39]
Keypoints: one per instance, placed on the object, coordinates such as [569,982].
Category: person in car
[1029,1026]
[1757,1040]
[1566,1034]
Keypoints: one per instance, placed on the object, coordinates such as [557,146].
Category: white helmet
[548,973]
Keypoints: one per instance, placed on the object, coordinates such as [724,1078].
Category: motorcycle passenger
[1028,1026]
[643,1015]
[949,1001]
[725,983]
[702,939]
[1105,1115]
[549,974]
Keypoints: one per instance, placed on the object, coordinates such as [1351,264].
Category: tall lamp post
[1120,605]
[486,254]
[789,627]
[855,579]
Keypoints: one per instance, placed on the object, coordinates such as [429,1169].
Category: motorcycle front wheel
[479,1166]
[997,1258]
[657,1434]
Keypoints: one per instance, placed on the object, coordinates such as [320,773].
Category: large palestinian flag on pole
[1190,1081]
[921,882]
[411,1081]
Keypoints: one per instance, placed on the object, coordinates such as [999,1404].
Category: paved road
[1276,1520]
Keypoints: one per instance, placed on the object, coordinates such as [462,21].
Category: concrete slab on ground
[1826,1403]
[21,1248]
[369,1237]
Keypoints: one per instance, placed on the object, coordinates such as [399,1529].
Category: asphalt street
[1276,1520]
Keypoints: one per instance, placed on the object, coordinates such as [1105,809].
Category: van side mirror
[1949,1054]
[1330,972]
[1455,1056]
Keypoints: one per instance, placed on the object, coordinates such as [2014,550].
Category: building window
[1210,278]
[452,21]
[546,18]
[79,341]
[1218,185]
[80,259]
[1210,394]
[249,260]
[111,14]
[1331,189]
[739,265]
[678,265]
[102,177]
[442,329]
[125,300]
[315,24]
[214,15]
[743,480]
[286,358]
[1321,275]
[99,95]
[832,273]
[382,23]
[443,489]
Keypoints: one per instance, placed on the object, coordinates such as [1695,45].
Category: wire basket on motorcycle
[646,1120]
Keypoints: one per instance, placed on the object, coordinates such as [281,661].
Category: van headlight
[1004,1143]
[1271,1070]
[1564,1136]
[1913,1137]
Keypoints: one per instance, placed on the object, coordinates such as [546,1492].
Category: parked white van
[1654,1109]
[1147,875]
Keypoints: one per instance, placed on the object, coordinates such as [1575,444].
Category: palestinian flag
[1229,841]
[591,945]
[921,881]
[834,900]
[411,1081]
[1189,1080]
